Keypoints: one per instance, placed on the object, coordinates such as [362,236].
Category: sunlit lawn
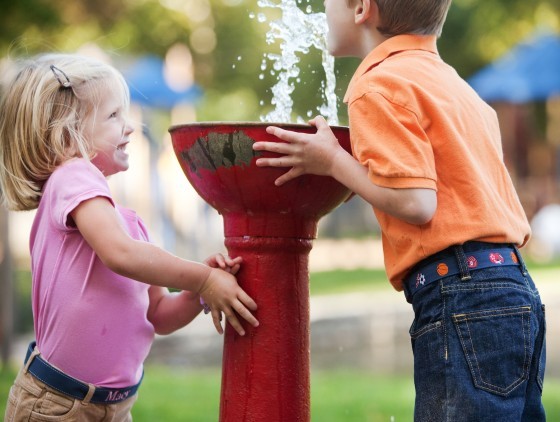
[335,396]
[344,281]
[178,394]
[175,394]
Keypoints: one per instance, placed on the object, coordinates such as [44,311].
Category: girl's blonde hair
[42,113]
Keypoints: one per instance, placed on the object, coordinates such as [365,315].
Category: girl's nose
[128,129]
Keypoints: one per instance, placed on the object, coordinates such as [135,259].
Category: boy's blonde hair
[420,17]
[42,110]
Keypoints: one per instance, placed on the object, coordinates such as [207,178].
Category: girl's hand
[305,153]
[231,265]
[221,293]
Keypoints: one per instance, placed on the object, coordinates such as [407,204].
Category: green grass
[342,281]
[7,377]
[335,396]
[176,394]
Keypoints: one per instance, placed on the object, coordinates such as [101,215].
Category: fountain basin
[266,373]
[219,161]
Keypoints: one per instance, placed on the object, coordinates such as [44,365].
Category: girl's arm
[321,154]
[170,311]
[101,227]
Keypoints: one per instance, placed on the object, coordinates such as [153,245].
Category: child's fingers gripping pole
[231,317]
[217,320]
[242,305]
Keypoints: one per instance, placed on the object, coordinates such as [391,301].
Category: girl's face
[108,130]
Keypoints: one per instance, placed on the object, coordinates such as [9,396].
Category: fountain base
[265,374]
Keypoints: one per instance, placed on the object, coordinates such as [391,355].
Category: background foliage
[228,45]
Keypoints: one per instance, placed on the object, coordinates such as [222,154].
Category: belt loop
[521,261]
[89,395]
[462,262]
[33,355]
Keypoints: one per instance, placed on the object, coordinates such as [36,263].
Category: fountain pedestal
[265,374]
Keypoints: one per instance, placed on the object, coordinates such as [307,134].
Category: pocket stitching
[540,371]
[486,285]
[523,311]
[426,329]
[69,413]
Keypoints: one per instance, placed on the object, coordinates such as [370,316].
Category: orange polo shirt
[414,123]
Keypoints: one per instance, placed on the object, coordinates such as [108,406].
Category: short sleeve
[70,184]
[389,140]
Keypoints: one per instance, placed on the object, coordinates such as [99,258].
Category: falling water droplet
[297,31]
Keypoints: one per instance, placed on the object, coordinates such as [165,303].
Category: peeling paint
[220,150]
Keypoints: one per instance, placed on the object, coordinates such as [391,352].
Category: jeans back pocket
[497,346]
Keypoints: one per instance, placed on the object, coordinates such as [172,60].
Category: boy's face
[108,129]
[342,37]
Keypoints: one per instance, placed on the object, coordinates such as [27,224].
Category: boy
[427,156]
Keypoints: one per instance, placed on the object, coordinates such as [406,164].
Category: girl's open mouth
[122,146]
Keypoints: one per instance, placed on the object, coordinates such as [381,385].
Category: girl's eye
[113,115]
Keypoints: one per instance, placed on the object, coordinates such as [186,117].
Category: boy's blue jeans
[479,346]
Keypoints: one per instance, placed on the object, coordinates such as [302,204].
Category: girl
[99,286]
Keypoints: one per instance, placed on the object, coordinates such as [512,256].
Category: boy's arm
[100,226]
[415,206]
[321,154]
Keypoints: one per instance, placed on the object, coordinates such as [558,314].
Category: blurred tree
[479,31]
[228,45]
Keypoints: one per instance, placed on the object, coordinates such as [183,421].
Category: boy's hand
[305,153]
[221,293]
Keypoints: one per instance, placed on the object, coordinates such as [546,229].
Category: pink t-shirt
[89,321]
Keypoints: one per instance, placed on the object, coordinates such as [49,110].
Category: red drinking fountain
[265,374]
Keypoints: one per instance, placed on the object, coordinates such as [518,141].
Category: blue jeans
[479,346]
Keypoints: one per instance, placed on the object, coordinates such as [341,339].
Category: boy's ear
[363,10]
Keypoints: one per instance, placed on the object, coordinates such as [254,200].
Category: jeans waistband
[461,260]
[58,380]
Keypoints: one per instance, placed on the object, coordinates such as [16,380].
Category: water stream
[296,32]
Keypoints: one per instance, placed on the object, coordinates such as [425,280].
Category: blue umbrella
[528,72]
[148,86]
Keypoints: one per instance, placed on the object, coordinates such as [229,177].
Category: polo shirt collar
[391,46]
